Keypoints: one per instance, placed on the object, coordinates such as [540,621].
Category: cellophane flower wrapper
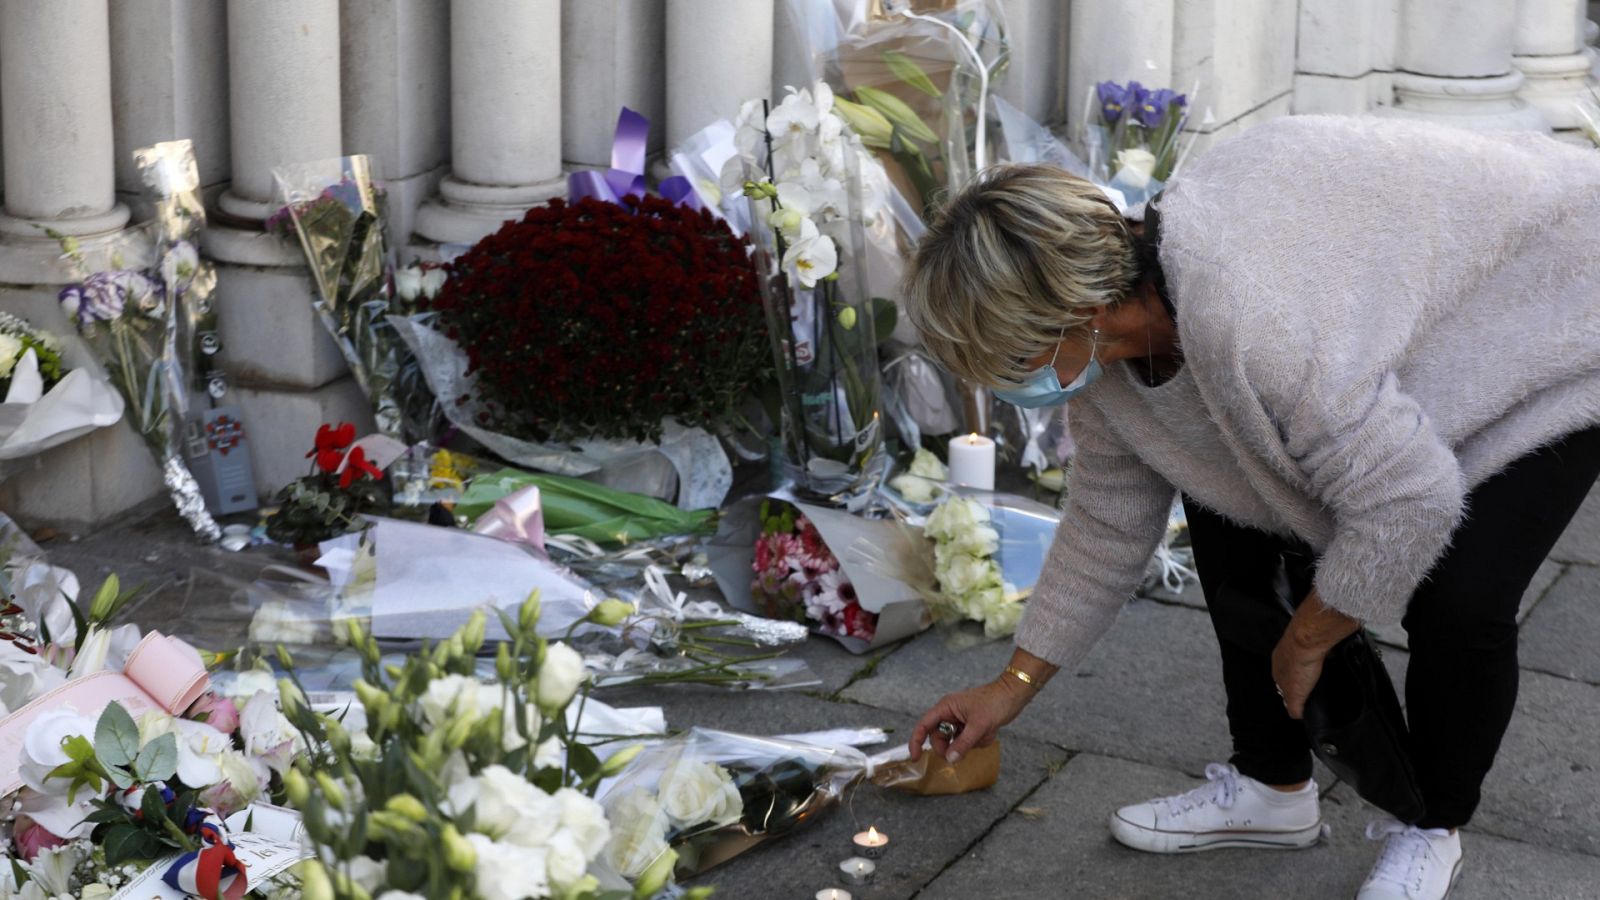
[700,474]
[337,211]
[48,402]
[409,582]
[1134,140]
[136,322]
[711,795]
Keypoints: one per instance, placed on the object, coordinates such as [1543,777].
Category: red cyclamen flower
[330,445]
[358,465]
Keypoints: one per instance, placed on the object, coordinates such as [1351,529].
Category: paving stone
[1392,634]
[1150,691]
[1581,541]
[1068,817]
[926,832]
[1559,637]
[1545,786]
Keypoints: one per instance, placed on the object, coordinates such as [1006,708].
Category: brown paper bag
[931,776]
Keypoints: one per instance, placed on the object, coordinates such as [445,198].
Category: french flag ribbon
[213,870]
[625,178]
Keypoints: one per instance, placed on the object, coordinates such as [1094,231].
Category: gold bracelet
[1023,677]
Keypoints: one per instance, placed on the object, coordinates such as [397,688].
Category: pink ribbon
[161,673]
[518,517]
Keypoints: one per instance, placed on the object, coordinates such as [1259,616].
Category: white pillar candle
[833,894]
[972,461]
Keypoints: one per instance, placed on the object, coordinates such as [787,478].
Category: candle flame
[972,438]
[872,834]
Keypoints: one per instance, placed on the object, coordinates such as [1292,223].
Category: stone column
[169,68]
[1132,39]
[55,115]
[613,54]
[395,81]
[719,54]
[1548,43]
[1454,65]
[1037,75]
[505,118]
[284,91]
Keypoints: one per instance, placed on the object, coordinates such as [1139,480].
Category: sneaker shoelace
[1221,788]
[1405,849]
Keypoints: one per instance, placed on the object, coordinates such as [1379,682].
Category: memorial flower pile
[798,578]
[597,319]
[17,340]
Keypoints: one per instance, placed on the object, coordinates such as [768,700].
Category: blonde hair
[1010,263]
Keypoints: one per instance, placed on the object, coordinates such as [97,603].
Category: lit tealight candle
[871,843]
[972,461]
[833,894]
[858,870]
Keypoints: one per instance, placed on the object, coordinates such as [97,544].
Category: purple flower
[1153,107]
[104,296]
[1113,100]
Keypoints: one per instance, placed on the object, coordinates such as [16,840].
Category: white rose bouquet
[971,582]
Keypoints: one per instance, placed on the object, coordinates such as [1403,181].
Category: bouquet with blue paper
[1134,138]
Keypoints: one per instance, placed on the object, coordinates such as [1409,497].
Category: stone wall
[475,109]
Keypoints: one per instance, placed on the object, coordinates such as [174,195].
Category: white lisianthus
[368,872]
[268,735]
[451,696]
[695,793]
[559,676]
[460,789]
[513,810]
[42,751]
[915,488]
[276,622]
[508,871]
[584,819]
[1136,166]
[154,724]
[96,891]
[564,860]
[639,832]
[954,518]
[408,282]
[245,685]
[811,257]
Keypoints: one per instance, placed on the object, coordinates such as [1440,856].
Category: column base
[281,425]
[464,212]
[1486,104]
[28,255]
[1554,84]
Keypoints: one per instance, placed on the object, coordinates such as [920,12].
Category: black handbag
[1353,717]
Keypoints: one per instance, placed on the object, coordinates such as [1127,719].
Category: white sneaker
[1229,810]
[1416,863]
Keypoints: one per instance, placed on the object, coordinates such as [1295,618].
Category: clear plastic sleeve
[338,213]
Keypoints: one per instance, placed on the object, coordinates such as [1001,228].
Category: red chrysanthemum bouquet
[329,501]
[599,320]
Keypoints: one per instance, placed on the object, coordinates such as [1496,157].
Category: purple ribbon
[625,178]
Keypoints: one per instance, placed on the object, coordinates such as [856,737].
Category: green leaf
[158,760]
[128,843]
[78,749]
[885,315]
[906,69]
[18,873]
[116,737]
[153,806]
[582,760]
[83,626]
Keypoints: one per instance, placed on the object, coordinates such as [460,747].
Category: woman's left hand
[1297,660]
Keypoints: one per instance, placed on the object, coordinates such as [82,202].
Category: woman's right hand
[978,714]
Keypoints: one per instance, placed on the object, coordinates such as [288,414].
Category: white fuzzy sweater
[1375,316]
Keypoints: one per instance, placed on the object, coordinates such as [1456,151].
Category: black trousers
[1461,684]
